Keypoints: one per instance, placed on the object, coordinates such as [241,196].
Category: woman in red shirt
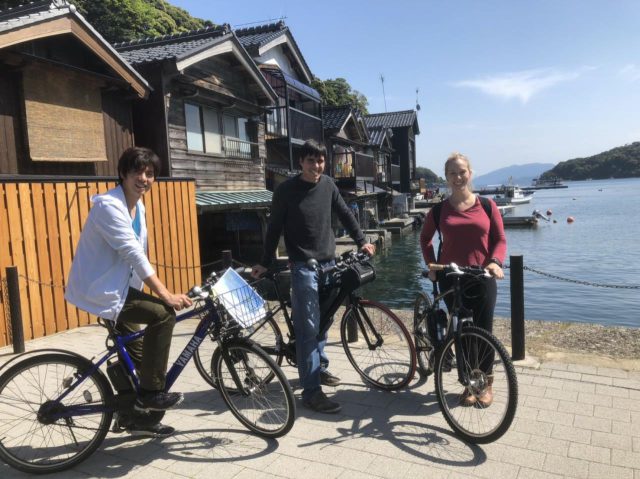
[469,238]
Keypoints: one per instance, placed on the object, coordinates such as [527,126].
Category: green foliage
[338,92]
[621,162]
[429,176]
[122,20]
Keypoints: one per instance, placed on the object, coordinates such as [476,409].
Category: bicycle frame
[327,311]
[210,317]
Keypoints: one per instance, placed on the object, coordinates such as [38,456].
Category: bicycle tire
[266,405]
[476,424]
[424,347]
[31,445]
[390,365]
[267,335]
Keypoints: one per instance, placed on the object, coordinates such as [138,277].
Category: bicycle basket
[358,274]
[238,299]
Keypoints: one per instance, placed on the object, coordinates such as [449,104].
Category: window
[211,131]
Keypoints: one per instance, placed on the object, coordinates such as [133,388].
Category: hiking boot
[157,401]
[157,430]
[328,379]
[319,402]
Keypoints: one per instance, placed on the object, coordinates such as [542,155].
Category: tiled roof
[377,135]
[393,119]
[333,117]
[255,37]
[226,199]
[167,47]
[32,13]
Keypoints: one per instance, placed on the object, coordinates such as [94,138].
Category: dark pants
[478,295]
[150,354]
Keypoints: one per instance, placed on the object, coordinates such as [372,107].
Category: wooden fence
[40,225]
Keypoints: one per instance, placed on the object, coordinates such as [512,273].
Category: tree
[429,176]
[338,92]
[122,20]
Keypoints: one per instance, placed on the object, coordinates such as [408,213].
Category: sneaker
[467,399]
[159,401]
[157,430]
[319,402]
[328,379]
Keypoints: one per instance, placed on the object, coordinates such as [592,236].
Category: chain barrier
[577,281]
[237,264]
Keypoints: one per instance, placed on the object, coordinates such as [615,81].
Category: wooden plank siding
[40,225]
[222,85]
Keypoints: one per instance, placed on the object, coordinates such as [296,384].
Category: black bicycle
[56,406]
[377,343]
[468,362]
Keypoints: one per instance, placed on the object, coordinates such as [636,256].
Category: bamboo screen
[64,115]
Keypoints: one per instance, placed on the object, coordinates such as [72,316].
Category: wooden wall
[40,225]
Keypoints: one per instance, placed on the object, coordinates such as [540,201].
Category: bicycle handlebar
[342,262]
[453,269]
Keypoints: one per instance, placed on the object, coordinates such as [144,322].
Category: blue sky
[505,82]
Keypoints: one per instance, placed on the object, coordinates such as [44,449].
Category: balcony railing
[235,148]
[303,125]
[365,166]
[395,173]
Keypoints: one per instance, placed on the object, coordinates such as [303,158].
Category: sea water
[600,247]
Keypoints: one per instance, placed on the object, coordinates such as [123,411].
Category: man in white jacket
[108,272]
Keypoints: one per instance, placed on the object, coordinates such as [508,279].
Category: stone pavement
[572,421]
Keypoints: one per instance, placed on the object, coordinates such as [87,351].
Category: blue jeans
[305,314]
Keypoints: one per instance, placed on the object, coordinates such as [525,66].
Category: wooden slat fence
[40,225]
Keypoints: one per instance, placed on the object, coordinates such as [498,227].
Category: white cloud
[522,85]
[630,72]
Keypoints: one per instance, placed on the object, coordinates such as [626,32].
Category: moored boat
[512,195]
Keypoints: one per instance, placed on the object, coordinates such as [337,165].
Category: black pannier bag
[358,274]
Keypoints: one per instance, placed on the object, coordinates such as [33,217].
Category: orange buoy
[549,212]
[570,219]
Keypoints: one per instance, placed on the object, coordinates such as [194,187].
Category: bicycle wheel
[383,352]
[484,361]
[262,399]
[424,347]
[267,335]
[32,439]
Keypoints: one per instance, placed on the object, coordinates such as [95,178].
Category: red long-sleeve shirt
[468,237]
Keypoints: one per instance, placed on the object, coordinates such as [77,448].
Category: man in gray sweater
[301,209]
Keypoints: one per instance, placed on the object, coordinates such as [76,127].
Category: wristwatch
[496,261]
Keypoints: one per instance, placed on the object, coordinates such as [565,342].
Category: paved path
[572,421]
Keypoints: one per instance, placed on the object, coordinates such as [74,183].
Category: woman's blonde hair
[458,156]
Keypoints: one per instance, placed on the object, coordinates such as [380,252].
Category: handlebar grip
[436,267]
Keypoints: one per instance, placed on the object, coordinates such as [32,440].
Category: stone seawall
[580,343]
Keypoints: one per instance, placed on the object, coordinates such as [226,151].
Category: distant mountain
[519,174]
[620,162]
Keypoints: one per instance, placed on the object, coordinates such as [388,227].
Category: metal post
[227,260]
[17,332]
[517,307]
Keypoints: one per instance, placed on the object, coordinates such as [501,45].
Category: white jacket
[109,258]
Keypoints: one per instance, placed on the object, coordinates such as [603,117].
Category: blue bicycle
[56,406]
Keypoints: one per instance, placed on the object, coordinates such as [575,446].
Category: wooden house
[65,94]
[206,117]
[352,163]
[297,115]
[404,125]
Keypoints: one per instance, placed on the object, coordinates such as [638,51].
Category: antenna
[383,94]
[417,102]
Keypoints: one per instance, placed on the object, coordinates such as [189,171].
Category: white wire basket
[239,299]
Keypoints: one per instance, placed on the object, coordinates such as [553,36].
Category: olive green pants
[150,353]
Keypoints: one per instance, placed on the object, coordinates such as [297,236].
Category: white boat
[512,195]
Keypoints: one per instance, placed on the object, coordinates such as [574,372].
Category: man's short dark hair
[312,148]
[136,159]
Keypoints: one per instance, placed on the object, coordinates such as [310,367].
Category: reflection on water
[601,247]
